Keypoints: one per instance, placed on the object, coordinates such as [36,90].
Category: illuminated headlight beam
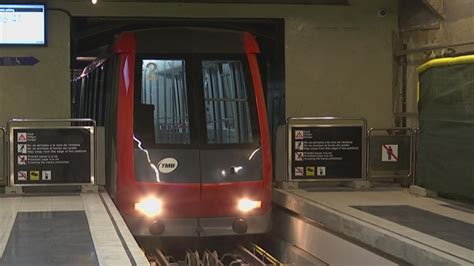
[149,206]
[246,205]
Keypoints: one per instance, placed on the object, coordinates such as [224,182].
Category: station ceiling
[292,2]
[91,35]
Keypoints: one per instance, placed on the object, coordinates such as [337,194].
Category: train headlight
[149,206]
[246,205]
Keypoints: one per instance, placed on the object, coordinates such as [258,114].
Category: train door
[166,151]
[231,160]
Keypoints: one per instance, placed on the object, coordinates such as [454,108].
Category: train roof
[189,40]
[180,40]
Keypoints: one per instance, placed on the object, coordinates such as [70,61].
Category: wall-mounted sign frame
[326,148]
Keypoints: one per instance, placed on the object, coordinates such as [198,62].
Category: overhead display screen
[22,24]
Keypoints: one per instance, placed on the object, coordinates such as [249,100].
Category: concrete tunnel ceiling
[90,36]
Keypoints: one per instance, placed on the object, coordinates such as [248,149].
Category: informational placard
[47,156]
[18,61]
[22,24]
[325,152]
[390,153]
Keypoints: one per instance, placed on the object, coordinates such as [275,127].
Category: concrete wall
[457,27]
[338,58]
[42,90]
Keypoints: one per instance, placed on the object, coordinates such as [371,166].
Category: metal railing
[74,123]
[390,168]
[330,121]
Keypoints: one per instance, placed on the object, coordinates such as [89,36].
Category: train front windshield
[195,102]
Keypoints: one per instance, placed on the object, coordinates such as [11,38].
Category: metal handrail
[332,118]
[51,120]
[396,129]
[5,151]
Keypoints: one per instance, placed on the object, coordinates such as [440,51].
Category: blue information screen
[22,24]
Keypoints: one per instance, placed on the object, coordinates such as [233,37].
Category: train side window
[164,91]
[226,96]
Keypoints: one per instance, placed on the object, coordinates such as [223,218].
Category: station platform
[417,230]
[80,229]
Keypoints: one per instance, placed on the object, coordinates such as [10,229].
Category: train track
[238,256]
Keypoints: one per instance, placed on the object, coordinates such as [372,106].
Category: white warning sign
[299,156]
[22,148]
[299,145]
[46,175]
[390,153]
[299,171]
[299,134]
[21,137]
[321,170]
[22,159]
[22,175]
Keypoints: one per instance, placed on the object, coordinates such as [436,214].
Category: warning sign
[41,152]
[299,134]
[299,171]
[299,145]
[22,175]
[299,156]
[46,175]
[310,171]
[321,170]
[21,137]
[389,153]
[334,152]
[22,148]
[34,175]
[22,159]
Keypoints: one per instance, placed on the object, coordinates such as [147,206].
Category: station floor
[82,229]
[418,230]
[87,229]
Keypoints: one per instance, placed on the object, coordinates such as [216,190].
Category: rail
[239,255]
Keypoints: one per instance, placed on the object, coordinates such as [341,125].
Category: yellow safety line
[267,256]
[448,61]
[465,59]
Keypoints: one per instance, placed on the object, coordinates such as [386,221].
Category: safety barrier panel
[390,153]
[326,148]
[3,133]
[48,155]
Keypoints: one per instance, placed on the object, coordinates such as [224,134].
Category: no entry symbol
[389,153]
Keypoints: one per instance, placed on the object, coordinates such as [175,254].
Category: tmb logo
[167,165]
